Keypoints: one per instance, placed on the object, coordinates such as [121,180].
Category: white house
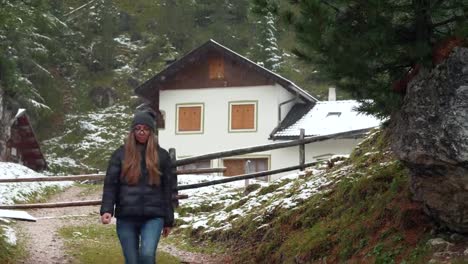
[214,99]
[325,118]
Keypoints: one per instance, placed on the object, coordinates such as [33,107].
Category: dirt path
[43,243]
[193,258]
[45,246]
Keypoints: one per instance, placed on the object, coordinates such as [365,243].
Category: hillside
[88,140]
[355,209]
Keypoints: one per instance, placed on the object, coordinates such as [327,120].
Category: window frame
[250,102]
[202,118]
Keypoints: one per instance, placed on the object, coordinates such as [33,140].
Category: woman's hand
[166,231]
[106,218]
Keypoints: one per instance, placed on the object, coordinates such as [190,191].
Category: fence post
[247,171]
[175,192]
[302,150]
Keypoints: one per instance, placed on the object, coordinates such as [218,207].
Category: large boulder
[431,137]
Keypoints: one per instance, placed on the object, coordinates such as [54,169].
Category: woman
[138,183]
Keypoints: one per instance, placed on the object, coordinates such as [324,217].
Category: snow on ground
[14,192]
[126,42]
[9,233]
[11,192]
[287,192]
[89,140]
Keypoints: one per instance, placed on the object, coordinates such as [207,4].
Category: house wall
[284,96]
[216,136]
[286,157]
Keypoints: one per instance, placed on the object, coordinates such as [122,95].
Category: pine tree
[364,46]
[266,50]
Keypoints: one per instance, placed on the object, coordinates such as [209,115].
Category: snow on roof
[20,112]
[329,117]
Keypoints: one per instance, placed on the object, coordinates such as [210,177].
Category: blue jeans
[139,239]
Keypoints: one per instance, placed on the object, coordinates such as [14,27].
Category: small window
[189,118]
[337,114]
[216,68]
[243,116]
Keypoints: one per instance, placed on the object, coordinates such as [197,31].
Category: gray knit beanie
[145,118]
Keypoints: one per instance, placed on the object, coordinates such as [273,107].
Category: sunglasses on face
[143,128]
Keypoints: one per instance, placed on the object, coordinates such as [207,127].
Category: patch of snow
[38,105]
[293,191]
[9,234]
[10,192]
[125,69]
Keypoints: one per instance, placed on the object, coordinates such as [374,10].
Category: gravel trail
[45,246]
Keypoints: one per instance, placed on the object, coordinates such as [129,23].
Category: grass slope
[360,213]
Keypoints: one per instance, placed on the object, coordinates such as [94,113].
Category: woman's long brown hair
[131,170]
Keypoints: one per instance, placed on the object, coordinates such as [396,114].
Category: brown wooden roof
[170,77]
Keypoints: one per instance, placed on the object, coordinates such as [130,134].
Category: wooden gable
[214,69]
[213,65]
[23,147]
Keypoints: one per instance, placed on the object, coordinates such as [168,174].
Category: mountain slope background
[75,56]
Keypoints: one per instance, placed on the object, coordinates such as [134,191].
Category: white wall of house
[286,157]
[216,135]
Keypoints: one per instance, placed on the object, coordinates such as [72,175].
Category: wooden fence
[216,155]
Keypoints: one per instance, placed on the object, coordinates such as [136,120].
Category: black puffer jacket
[141,200]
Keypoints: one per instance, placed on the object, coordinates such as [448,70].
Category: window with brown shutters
[216,68]
[243,116]
[189,118]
